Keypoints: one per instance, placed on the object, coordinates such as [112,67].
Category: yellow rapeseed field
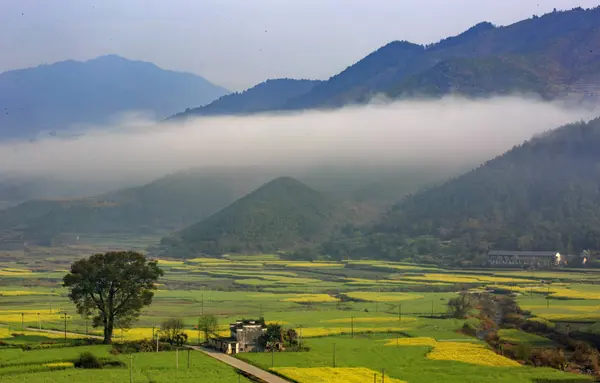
[14,316]
[7,272]
[359,281]
[59,365]
[453,278]
[139,333]
[470,353]
[466,352]
[311,332]
[15,293]
[369,320]
[168,262]
[332,375]
[6,332]
[310,298]
[312,264]
[383,297]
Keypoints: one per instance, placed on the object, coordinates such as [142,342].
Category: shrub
[87,360]
[468,329]
[586,357]
[549,357]
[523,351]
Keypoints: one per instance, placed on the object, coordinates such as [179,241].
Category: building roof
[509,253]
[245,323]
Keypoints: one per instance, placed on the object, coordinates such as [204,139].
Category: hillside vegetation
[541,195]
[167,204]
[280,215]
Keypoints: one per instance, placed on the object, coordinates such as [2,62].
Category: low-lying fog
[451,133]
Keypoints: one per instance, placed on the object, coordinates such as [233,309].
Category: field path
[241,365]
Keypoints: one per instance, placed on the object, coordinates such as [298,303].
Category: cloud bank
[451,132]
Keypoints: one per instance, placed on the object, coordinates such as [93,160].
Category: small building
[244,337]
[508,258]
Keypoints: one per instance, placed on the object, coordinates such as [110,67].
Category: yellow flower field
[369,320]
[467,279]
[139,333]
[469,353]
[310,298]
[466,352]
[332,375]
[210,260]
[311,332]
[383,297]
[359,281]
[59,365]
[169,262]
[16,293]
[310,264]
[6,332]
[7,272]
[14,316]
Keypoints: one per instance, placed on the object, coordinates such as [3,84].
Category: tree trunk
[108,331]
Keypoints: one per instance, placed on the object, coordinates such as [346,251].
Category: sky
[239,43]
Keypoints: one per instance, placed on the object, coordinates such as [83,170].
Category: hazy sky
[238,43]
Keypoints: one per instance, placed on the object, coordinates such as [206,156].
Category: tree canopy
[113,287]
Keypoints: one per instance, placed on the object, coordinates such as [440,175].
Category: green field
[362,307]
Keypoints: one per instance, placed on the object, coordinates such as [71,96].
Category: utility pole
[157,342]
[153,327]
[130,368]
[39,322]
[22,321]
[334,355]
[272,356]
[432,309]
[65,316]
[352,326]
[202,303]
[189,358]
[177,358]
[400,312]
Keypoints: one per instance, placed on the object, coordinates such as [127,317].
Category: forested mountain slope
[280,215]
[541,195]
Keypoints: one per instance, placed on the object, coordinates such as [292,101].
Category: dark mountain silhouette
[268,95]
[556,55]
[51,98]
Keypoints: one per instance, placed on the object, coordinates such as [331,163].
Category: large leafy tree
[113,287]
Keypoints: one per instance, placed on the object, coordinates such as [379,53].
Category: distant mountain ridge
[556,55]
[268,95]
[55,97]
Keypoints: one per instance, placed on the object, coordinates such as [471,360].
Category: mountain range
[68,95]
[541,195]
[556,55]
